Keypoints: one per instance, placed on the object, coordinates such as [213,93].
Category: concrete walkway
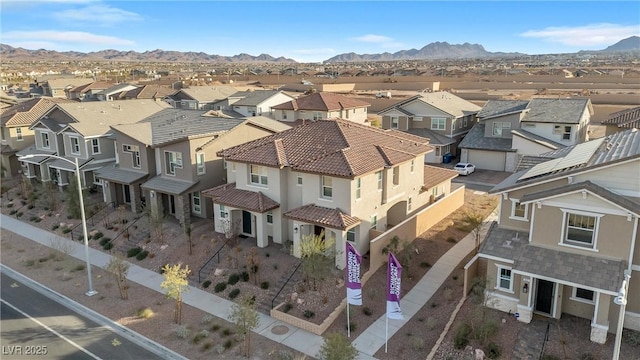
[373,338]
[368,343]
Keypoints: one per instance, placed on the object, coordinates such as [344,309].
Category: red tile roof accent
[228,195]
[331,147]
[322,101]
[434,175]
[318,215]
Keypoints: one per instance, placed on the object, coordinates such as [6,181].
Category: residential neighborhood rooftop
[475,139]
[565,111]
[26,113]
[322,101]
[629,118]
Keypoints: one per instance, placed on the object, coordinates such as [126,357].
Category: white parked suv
[464,168]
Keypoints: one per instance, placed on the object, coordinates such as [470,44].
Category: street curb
[123,331]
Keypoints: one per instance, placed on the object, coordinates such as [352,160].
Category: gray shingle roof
[538,139]
[118,175]
[253,98]
[168,186]
[434,137]
[475,139]
[565,111]
[494,108]
[68,166]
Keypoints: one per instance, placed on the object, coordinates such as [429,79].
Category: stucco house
[440,116]
[567,233]
[199,97]
[82,131]
[253,103]
[322,105]
[114,92]
[507,130]
[331,176]
[88,92]
[166,159]
[15,124]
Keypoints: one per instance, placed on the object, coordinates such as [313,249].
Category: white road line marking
[53,331]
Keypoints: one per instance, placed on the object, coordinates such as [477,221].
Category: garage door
[487,160]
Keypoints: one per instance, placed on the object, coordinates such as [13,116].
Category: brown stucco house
[322,105]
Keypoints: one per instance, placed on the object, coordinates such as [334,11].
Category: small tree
[119,268]
[187,231]
[157,226]
[50,194]
[317,253]
[253,265]
[175,284]
[403,250]
[246,318]
[473,220]
[73,201]
[337,347]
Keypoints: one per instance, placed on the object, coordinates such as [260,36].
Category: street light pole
[91,291]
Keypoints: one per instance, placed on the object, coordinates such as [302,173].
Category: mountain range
[432,51]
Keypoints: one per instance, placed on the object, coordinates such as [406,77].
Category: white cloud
[53,37]
[584,36]
[97,15]
[320,51]
[371,38]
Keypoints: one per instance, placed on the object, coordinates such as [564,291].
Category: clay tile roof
[322,101]
[28,112]
[434,175]
[228,195]
[318,215]
[331,147]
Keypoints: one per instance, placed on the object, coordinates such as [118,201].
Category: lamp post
[91,291]
[621,300]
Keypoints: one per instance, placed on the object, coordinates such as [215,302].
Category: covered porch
[122,186]
[169,197]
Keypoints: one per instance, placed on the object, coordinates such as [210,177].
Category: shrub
[448,294]
[367,311]
[206,346]
[12,212]
[10,205]
[215,327]
[145,313]
[78,267]
[108,246]
[308,314]
[44,259]
[233,279]
[493,351]
[244,276]
[142,255]
[206,284]
[425,265]
[97,235]
[220,287]
[226,332]
[227,344]
[417,343]
[66,230]
[461,338]
[134,251]
[199,336]
[206,319]
[264,285]
[182,332]
[352,324]
[287,307]
[452,240]
[455,277]
[104,241]
[234,293]
[631,337]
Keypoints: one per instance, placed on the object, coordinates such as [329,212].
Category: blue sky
[310,31]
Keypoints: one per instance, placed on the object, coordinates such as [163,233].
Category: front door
[246,223]
[544,297]
[127,193]
[172,205]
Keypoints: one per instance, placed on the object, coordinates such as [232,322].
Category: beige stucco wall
[625,181]
[125,160]
[514,119]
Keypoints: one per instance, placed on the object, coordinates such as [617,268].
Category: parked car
[464,168]
[385,94]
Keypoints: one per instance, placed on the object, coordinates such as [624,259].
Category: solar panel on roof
[579,155]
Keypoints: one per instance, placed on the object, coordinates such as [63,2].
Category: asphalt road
[36,327]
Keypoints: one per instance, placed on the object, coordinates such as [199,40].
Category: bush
[226,332]
[145,313]
[631,337]
[244,276]
[233,279]
[134,251]
[206,284]
[367,311]
[308,314]
[104,241]
[264,285]
[206,319]
[287,307]
[142,255]
[66,230]
[425,265]
[234,293]
[493,351]
[182,332]
[107,246]
[12,212]
[461,338]
[215,327]
[220,287]
[227,344]
[199,336]
[97,235]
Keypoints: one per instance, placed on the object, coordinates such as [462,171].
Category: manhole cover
[279,329]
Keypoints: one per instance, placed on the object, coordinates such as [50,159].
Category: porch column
[155,204]
[600,322]
[135,192]
[340,249]
[109,191]
[261,237]
[183,210]
[525,307]
[297,236]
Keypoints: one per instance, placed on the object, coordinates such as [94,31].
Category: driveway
[481,180]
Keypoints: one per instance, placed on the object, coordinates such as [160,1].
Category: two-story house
[567,233]
[58,87]
[152,92]
[440,116]
[114,92]
[87,92]
[507,130]
[15,121]
[253,103]
[82,131]
[322,105]
[328,176]
[200,97]
[168,158]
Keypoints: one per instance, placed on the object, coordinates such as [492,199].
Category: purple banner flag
[394,275]
[354,287]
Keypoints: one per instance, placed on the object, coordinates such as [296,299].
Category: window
[504,282]
[351,235]
[223,212]
[379,177]
[317,115]
[396,175]
[95,146]
[75,145]
[583,295]
[284,115]
[269,217]
[453,124]
[438,123]
[19,134]
[465,122]
[374,221]
[566,135]
[327,187]
[259,175]
[224,164]
[394,122]
[358,188]
[580,229]
[45,140]
[135,154]
[518,211]
[409,203]
[200,168]
[136,159]
[417,118]
[195,201]
[412,165]
[172,160]
[501,128]
[434,192]
[299,180]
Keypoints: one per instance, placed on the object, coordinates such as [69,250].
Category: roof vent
[507,244]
